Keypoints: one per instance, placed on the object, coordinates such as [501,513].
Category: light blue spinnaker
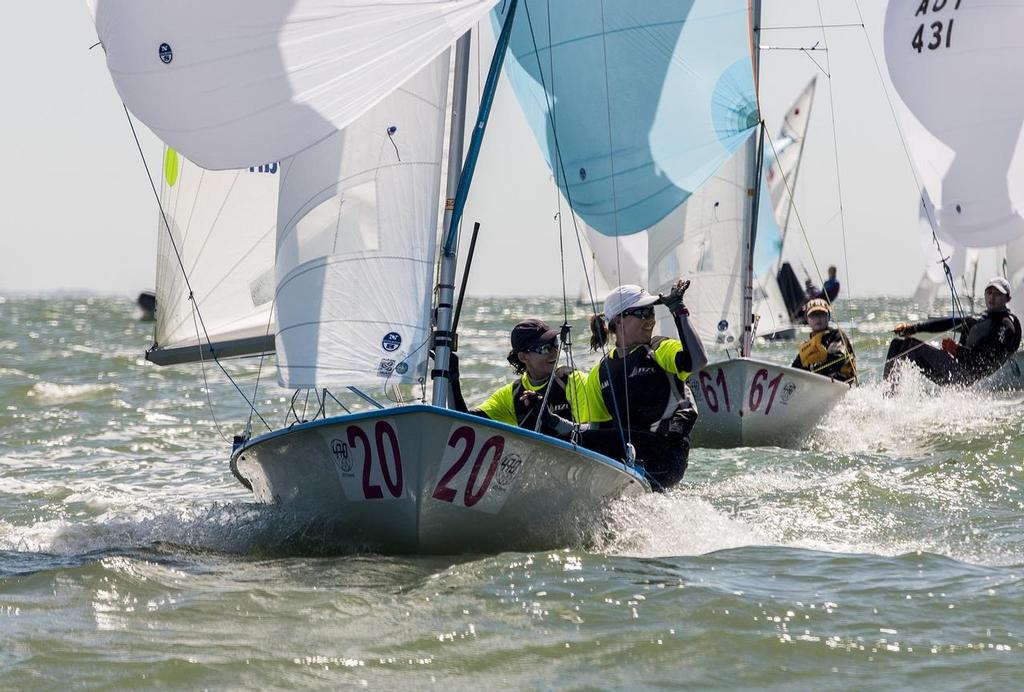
[647,97]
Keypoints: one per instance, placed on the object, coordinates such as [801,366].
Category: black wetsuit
[986,342]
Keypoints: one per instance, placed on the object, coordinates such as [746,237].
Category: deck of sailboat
[421,479]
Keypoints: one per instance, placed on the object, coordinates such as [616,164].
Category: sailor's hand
[903,329]
[950,346]
[836,348]
[529,399]
[674,300]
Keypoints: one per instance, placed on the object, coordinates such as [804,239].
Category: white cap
[1000,284]
[622,298]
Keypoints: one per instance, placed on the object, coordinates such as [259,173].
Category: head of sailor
[629,311]
[534,350]
[997,294]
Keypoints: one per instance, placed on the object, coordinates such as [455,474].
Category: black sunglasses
[644,313]
[544,349]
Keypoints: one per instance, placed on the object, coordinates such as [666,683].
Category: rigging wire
[835,146]
[626,445]
[181,264]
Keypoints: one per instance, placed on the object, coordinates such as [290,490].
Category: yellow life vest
[812,351]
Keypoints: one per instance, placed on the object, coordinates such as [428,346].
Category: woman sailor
[534,356]
[638,394]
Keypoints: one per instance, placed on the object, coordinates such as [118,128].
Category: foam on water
[52,393]
[919,413]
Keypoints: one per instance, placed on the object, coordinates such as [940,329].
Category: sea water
[887,552]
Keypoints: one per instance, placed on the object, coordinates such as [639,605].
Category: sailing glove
[674,300]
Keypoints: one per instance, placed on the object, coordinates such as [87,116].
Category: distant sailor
[831,286]
[828,351]
[638,394]
[534,356]
[986,342]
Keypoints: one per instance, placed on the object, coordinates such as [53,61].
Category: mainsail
[235,83]
[956,67]
[357,243]
[635,104]
[215,268]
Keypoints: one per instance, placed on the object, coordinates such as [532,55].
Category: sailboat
[965,139]
[349,103]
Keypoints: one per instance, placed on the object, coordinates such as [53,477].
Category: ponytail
[517,365]
[599,330]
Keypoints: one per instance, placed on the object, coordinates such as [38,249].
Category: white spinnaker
[223,225]
[957,69]
[234,83]
[357,242]
[702,240]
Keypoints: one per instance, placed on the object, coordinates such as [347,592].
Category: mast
[755,155]
[457,190]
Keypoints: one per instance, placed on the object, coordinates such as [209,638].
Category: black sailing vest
[558,400]
[641,395]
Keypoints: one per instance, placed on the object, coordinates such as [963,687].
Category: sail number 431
[937,34]
[760,386]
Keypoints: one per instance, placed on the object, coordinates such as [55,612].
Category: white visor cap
[622,298]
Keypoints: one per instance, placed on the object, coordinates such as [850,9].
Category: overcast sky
[78,212]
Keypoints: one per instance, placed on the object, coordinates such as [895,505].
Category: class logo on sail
[392,341]
[166,54]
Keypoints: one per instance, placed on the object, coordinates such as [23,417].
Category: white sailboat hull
[1009,377]
[750,403]
[429,480]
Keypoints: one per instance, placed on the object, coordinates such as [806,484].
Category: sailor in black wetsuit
[637,395]
[986,342]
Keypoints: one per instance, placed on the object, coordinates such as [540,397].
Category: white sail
[233,83]
[618,260]
[788,147]
[957,70]
[357,243]
[702,240]
[223,226]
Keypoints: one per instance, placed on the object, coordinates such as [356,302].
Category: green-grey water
[887,552]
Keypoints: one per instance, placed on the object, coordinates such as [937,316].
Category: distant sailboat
[965,139]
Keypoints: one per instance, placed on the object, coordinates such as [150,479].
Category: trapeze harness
[653,403]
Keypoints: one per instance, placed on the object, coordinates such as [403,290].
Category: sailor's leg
[663,456]
[899,349]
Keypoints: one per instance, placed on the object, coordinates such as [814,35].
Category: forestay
[235,83]
[222,224]
[647,99]
[356,246]
[956,67]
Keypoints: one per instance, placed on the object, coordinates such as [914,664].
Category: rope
[835,146]
[568,195]
[181,264]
